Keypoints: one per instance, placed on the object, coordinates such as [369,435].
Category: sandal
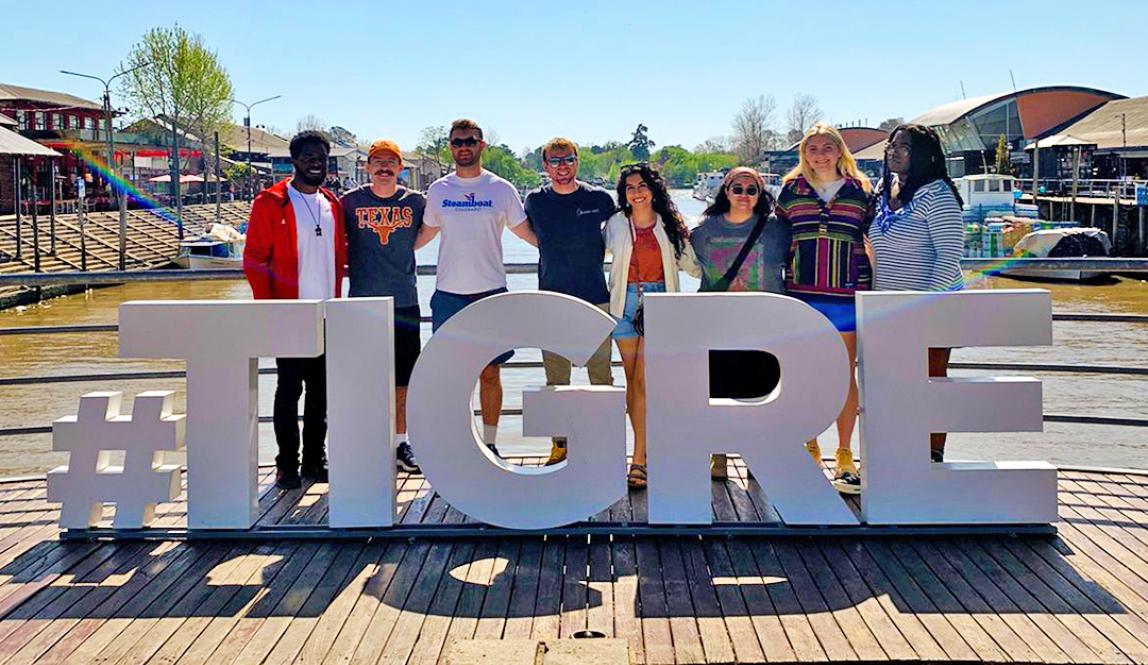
[636,479]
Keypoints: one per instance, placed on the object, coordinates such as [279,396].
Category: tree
[1004,166]
[343,136]
[310,122]
[802,115]
[433,142]
[714,144]
[640,143]
[180,79]
[752,128]
[890,123]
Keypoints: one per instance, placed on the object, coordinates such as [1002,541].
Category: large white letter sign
[361,411]
[222,342]
[901,406]
[685,426]
[442,427]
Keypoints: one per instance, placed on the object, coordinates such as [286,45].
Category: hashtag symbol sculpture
[90,480]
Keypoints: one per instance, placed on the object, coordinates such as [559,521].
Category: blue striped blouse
[919,247]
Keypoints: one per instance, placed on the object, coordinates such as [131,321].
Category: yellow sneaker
[718,467]
[845,463]
[814,451]
[557,451]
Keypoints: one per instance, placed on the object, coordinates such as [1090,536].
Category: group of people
[828,234]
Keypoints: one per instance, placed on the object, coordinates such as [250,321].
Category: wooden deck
[1081,596]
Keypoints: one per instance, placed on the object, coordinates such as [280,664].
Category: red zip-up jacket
[271,255]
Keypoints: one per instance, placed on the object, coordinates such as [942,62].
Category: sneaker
[494,449]
[405,459]
[845,463]
[937,455]
[287,479]
[316,474]
[557,451]
[847,482]
[718,467]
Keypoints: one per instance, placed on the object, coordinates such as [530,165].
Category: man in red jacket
[296,249]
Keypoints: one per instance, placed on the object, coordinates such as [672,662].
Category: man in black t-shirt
[567,217]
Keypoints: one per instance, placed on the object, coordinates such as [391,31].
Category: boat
[220,248]
[991,195]
[707,184]
[1070,243]
[772,183]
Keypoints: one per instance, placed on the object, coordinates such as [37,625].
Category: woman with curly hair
[917,233]
[824,200]
[649,243]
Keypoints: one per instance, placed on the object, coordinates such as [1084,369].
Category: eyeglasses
[469,142]
[903,148]
[568,160]
[738,190]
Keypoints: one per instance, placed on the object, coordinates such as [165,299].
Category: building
[971,128]
[1113,139]
[73,126]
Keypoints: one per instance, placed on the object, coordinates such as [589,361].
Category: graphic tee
[316,251]
[571,249]
[381,243]
[471,213]
[717,242]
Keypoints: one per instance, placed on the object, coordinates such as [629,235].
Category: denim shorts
[841,311]
[445,305]
[624,329]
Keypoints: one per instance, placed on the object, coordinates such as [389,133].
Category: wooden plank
[548,599]
[797,626]
[656,635]
[763,614]
[520,611]
[469,606]
[829,631]
[985,603]
[716,640]
[679,606]
[342,648]
[492,618]
[600,610]
[410,622]
[371,644]
[627,621]
[880,587]
[849,615]
[432,635]
[976,645]
[574,590]
[730,604]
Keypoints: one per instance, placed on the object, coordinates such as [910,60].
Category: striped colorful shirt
[919,247]
[827,253]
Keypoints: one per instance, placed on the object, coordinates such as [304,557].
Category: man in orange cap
[382,220]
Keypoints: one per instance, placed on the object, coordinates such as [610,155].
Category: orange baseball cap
[385,145]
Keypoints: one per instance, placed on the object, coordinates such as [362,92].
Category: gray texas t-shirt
[381,243]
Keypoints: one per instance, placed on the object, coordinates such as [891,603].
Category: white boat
[991,195]
[707,184]
[221,248]
[1065,244]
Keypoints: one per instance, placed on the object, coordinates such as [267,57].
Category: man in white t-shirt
[470,207]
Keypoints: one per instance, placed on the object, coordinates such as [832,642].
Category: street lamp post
[247,123]
[116,189]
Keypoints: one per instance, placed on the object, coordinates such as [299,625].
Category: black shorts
[408,343]
[743,374]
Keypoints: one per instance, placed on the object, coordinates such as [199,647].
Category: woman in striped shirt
[917,233]
[825,202]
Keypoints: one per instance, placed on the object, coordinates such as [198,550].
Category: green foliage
[1002,160]
[501,161]
[680,166]
[640,143]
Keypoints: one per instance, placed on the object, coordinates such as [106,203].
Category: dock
[1080,596]
[152,242]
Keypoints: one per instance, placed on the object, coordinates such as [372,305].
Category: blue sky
[593,70]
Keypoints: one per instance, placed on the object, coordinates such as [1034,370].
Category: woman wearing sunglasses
[824,200]
[649,243]
[739,247]
[918,235]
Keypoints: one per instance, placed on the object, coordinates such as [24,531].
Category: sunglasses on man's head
[568,160]
[469,142]
[738,190]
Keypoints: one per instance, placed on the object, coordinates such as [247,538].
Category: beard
[466,161]
[315,181]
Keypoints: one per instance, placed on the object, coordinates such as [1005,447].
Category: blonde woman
[825,202]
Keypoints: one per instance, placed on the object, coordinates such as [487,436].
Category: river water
[1073,342]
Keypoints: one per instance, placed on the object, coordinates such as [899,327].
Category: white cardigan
[620,245]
